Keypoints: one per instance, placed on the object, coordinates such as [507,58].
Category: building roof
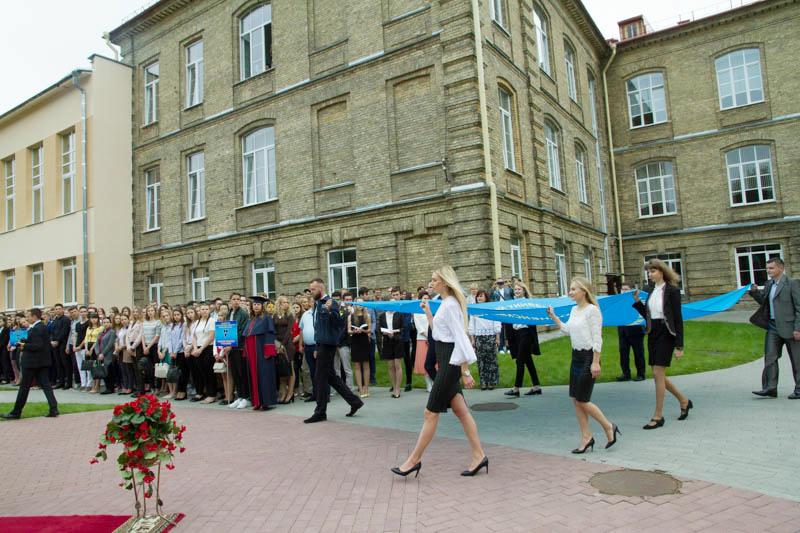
[38,97]
[147,18]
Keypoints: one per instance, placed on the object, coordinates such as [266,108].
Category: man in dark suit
[35,361]
[780,310]
[631,337]
[59,335]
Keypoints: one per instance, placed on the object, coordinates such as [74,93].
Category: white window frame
[507,129]
[249,65]
[258,156]
[152,186]
[665,179]
[37,276]
[265,269]
[199,284]
[562,288]
[196,186]
[580,173]
[69,278]
[674,260]
[654,96]
[37,184]
[151,75]
[11,288]
[569,61]
[749,73]
[515,249]
[737,177]
[553,163]
[11,203]
[748,251]
[496,7]
[344,268]
[68,173]
[542,46]
[194,73]
[587,264]
[155,288]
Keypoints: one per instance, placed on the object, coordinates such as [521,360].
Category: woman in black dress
[526,342]
[391,326]
[664,334]
[359,325]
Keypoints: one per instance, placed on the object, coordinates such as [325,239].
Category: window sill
[748,204]
[733,108]
[550,76]
[513,172]
[255,76]
[585,204]
[272,200]
[649,125]
[645,217]
[499,26]
[559,191]
[191,220]
[194,106]
[149,124]
[152,230]
[337,186]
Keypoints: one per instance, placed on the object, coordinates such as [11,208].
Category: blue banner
[225,334]
[16,335]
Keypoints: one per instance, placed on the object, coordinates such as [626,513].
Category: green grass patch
[34,409]
[709,346]
[7,389]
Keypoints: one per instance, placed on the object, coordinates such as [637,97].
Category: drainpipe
[487,158]
[611,154]
[83,179]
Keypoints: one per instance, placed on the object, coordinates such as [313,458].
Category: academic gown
[259,351]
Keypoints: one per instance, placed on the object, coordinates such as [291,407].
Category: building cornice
[586,24]
[146,19]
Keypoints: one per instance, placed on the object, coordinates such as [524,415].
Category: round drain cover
[494,406]
[635,483]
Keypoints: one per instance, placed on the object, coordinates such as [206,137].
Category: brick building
[705,123]
[274,142]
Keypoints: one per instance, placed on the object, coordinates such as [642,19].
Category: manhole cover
[494,406]
[634,483]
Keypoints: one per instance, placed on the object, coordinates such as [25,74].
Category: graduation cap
[258,299]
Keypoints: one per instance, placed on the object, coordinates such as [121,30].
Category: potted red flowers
[147,430]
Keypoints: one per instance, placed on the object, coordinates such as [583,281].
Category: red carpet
[65,524]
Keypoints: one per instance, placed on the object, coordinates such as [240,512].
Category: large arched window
[542,46]
[655,187]
[255,41]
[647,101]
[569,61]
[258,166]
[551,145]
[739,78]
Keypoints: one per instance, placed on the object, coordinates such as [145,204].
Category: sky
[50,38]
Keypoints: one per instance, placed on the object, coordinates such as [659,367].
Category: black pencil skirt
[447,382]
[660,344]
[581,381]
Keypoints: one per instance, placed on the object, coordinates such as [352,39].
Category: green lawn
[727,345]
[7,389]
[34,409]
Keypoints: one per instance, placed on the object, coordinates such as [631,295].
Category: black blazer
[672,313]
[390,343]
[36,351]
[59,331]
[5,338]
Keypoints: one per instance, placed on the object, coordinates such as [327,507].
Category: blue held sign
[16,335]
[226,334]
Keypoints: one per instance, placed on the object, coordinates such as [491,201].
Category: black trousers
[128,376]
[207,361]
[182,362]
[524,339]
[42,377]
[64,362]
[325,376]
[76,372]
[430,357]
[631,337]
[5,364]
[193,361]
[238,368]
[407,361]
[142,369]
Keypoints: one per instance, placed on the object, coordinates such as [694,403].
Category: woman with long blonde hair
[454,354]
[284,320]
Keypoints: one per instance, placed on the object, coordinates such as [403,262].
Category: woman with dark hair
[284,320]
[526,342]
[259,350]
[92,334]
[203,350]
[124,357]
[359,325]
[392,326]
[485,337]
[177,354]
[664,329]
[191,365]
[105,354]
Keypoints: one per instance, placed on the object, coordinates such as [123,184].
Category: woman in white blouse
[585,329]
[454,354]
[485,337]
[203,349]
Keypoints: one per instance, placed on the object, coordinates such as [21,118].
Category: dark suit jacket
[59,332]
[786,303]
[107,346]
[36,353]
[672,313]
[5,338]
[395,342]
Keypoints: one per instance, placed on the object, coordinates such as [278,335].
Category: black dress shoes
[512,392]
[310,399]
[638,378]
[354,408]
[653,424]
[766,393]
[685,411]
[408,388]
[794,396]
[623,378]
[10,416]
[52,414]
[315,418]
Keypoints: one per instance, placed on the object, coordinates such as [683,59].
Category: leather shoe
[794,396]
[315,418]
[52,414]
[354,408]
[408,388]
[310,399]
[771,393]
[623,378]
[512,392]
[638,378]
[10,416]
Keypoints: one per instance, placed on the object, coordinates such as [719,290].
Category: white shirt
[421,323]
[389,319]
[448,326]
[307,326]
[480,326]
[585,328]
[655,302]
[204,330]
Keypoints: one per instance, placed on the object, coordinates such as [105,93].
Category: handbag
[174,374]
[87,365]
[161,370]
[220,367]
[99,372]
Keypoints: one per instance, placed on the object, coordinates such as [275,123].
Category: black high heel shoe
[416,468]
[483,464]
[589,444]
[685,412]
[614,432]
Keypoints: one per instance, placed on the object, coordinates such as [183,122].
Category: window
[507,129]
[199,284]
[196,187]
[561,270]
[69,272]
[68,173]
[264,278]
[37,184]
[497,11]
[592,104]
[656,189]
[342,270]
[516,258]
[553,166]
[673,260]
[580,172]
[152,186]
[587,264]
[155,288]
[750,175]
[255,41]
[739,78]
[258,164]
[751,262]
[569,60]
[10,165]
[10,290]
[542,48]
[194,73]
[37,284]
[151,93]
[646,100]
